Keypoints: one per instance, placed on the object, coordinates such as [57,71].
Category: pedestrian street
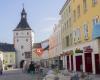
[17,74]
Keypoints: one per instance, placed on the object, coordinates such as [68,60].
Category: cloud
[51,19]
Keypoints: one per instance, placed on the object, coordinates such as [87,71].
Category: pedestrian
[1,68]
[37,67]
[31,68]
[25,66]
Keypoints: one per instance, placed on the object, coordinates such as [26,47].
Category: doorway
[88,62]
[97,64]
[21,63]
[79,63]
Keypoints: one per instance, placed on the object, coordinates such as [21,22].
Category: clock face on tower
[23,16]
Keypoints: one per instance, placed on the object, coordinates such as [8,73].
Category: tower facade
[23,39]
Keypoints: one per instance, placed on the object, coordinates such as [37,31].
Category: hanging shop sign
[88,49]
[69,52]
[78,50]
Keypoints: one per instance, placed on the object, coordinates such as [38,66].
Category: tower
[23,39]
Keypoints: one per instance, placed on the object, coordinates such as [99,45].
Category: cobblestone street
[18,75]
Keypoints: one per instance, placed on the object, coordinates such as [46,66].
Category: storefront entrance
[68,64]
[78,63]
[88,62]
[97,66]
[72,62]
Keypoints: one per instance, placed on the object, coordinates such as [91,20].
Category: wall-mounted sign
[88,49]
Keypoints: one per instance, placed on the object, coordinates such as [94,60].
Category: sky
[41,16]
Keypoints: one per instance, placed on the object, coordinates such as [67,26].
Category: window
[17,40]
[74,15]
[78,34]
[26,40]
[27,33]
[28,55]
[74,36]
[71,39]
[84,5]
[94,2]
[85,28]
[78,10]
[69,22]
[22,54]
[16,33]
[96,20]
[22,47]
[69,9]
[10,55]
[67,40]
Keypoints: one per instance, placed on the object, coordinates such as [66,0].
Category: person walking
[1,68]
[31,68]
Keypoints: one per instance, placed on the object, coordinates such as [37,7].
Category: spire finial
[23,5]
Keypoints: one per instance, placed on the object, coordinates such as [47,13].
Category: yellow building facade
[84,14]
[78,19]
[9,59]
[66,25]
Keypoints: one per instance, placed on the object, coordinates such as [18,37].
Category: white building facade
[45,54]
[23,39]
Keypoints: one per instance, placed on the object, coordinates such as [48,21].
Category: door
[97,66]
[88,62]
[78,63]
[72,62]
[68,65]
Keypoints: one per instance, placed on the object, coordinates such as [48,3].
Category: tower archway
[21,63]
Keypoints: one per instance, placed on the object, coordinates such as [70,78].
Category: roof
[5,47]
[37,45]
[66,3]
[46,48]
[23,24]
